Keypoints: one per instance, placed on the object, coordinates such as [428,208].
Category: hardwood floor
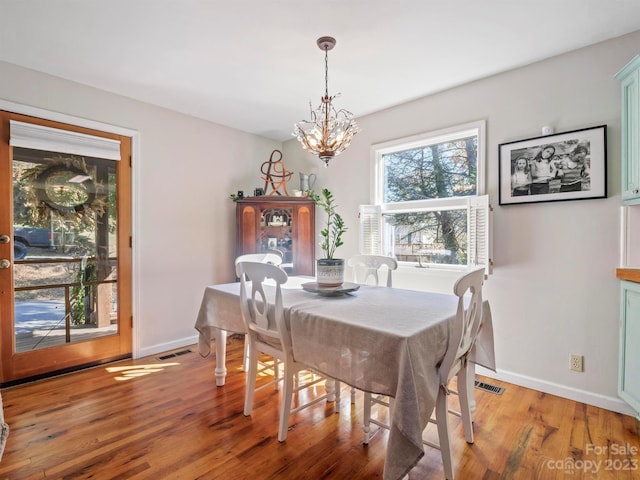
[155,419]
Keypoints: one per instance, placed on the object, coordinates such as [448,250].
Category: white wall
[553,291]
[184,232]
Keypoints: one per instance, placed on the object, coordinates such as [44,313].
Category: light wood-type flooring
[155,418]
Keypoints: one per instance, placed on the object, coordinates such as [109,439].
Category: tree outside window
[425,187]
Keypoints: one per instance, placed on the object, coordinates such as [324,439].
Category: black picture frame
[559,167]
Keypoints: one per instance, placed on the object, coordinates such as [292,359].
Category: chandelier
[329,131]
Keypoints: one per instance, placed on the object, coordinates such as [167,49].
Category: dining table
[383,340]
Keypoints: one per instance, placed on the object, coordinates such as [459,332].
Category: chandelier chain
[326,72]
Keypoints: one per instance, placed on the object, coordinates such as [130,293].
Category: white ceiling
[254,64]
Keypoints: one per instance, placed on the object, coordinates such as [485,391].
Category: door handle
[5,238]
[4,263]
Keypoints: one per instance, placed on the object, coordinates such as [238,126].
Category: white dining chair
[264,318]
[462,336]
[367,269]
[273,257]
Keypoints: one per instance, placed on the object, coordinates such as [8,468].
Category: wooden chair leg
[245,356]
[366,421]
[442,421]
[250,388]
[465,404]
[276,372]
[336,384]
[285,403]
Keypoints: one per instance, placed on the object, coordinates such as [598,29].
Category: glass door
[65,299]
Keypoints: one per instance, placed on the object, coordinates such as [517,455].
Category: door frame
[135,155]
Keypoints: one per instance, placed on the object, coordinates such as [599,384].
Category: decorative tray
[346,287]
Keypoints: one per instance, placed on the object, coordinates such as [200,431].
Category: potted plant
[330,270]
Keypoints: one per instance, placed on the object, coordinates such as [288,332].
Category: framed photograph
[553,168]
[272,242]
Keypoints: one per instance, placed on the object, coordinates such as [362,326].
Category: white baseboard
[614,404]
[164,347]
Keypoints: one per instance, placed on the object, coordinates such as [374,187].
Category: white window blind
[38,137]
[479,223]
[370,230]
[479,235]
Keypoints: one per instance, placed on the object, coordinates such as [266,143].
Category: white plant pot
[330,272]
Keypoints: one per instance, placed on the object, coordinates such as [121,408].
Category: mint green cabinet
[629,371]
[629,77]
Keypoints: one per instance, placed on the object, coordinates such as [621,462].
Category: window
[429,208]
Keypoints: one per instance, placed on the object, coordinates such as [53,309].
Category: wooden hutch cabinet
[278,223]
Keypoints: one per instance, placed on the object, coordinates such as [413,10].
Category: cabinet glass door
[276,233]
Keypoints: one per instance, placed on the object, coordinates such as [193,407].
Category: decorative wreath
[63,186]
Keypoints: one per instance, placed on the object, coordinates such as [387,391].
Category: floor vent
[489,388]
[174,354]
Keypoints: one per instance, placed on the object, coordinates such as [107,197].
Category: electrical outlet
[576,363]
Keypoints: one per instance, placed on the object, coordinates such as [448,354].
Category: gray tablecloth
[382,340]
[220,309]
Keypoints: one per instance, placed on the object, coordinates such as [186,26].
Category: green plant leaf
[334,227]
